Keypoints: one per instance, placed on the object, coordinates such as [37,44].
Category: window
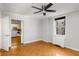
[60,25]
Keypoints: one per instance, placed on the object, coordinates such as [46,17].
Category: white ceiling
[26,8]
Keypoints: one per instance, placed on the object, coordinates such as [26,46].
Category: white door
[6,30]
[57,38]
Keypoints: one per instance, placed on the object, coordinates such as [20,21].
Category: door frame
[8,41]
[22,30]
[58,39]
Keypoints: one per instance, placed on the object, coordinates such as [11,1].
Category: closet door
[59,31]
[6,30]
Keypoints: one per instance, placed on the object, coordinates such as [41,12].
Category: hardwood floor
[39,48]
[0,52]
[16,40]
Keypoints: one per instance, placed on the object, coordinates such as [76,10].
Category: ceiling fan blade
[49,5]
[50,10]
[42,7]
[36,8]
[37,12]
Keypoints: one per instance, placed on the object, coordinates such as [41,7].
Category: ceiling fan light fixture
[44,9]
[44,14]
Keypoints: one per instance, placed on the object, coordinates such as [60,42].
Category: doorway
[16,32]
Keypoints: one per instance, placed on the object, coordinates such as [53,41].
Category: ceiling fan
[44,9]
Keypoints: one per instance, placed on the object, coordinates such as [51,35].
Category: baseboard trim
[30,41]
[35,41]
[4,50]
[45,40]
[52,43]
[72,48]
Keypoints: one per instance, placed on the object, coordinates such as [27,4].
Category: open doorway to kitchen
[16,33]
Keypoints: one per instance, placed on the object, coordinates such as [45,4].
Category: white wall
[47,29]
[38,28]
[71,39]
[32,29]
[72,31]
